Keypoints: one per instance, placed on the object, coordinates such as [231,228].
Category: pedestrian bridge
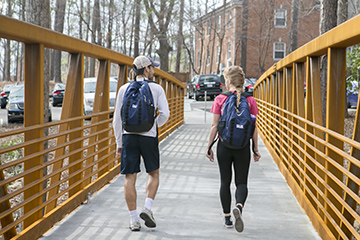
[48,170]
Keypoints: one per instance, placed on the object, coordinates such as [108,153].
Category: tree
[293,33]
[137,28]
[38,12]
[179,41]
[95,34]
[328,20]
[160,30]
[59,27]
[109,34]
[6,73]
[244,36]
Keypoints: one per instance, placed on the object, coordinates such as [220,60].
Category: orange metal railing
[47,170]
[323,176]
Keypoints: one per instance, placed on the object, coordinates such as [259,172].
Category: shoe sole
[239,224]
[228,226]
[135,229]
[150,223]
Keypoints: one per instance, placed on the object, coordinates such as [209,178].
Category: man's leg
[130,191]
[130,197]
[152,184]
[151,189]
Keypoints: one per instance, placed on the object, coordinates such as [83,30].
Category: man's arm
[163,108]
[117,122]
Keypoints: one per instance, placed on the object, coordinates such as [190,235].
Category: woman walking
[239,159]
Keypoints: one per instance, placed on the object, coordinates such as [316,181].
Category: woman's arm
[256,154]
[213,132]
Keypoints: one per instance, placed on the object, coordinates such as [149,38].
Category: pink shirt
[217,107]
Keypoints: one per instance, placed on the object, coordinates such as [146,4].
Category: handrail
[323,176]
[60,163]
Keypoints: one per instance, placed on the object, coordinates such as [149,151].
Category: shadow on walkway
[187,205]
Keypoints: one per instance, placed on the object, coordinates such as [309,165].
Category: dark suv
[201,83]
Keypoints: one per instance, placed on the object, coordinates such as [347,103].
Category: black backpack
[138,109]
[235,129]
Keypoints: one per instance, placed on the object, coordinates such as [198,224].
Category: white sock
[133,216]
[148,203]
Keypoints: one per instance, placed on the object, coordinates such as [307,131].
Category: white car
[89,94]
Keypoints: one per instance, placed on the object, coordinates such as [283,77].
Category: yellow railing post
[72,107]
[34,95]
[335,115]
[101,103]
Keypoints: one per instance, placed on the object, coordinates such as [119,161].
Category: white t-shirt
[160,102]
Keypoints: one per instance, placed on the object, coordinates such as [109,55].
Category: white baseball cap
[144,61]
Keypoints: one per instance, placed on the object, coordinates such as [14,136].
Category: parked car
[5,94]
[15,106]
[89,94]
[352,93]
[200,83]
[58,94]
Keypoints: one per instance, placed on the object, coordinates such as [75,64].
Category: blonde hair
[236,77]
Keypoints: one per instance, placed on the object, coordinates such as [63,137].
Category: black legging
[240,158]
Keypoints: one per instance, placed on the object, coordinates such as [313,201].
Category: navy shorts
[133,147]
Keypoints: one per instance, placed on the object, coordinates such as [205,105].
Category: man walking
[130,145]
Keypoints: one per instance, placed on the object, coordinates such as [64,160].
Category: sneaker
[228,223]
[147,216]
[239,223]
[135,226]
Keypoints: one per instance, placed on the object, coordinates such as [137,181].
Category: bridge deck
[187,205]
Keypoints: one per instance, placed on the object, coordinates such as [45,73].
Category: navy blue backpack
[138,110]
[235,129]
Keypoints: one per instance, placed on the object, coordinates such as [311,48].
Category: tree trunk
[342,16]
[7,59]
[58,27]
[124,23]
[179,41]
[243,37]
[39,14]
[110,26]
[86,60]
[137,28]
[328,20]
[164,16]
[294,28]
[80,19]
[95,25]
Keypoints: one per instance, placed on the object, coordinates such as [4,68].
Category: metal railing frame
[84,155]
[324,178]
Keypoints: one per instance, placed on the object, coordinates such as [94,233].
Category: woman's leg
[241,169]
[225,162]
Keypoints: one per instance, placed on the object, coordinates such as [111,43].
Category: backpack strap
[228,93]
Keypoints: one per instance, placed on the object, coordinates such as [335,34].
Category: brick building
[219,34]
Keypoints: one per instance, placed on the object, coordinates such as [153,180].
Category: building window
[280,18]
[199,59]
[279,50]
[218,54]
[230,20]
[229,50]
[219,24]
[208,28]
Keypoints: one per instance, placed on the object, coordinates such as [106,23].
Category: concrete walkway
[187,205]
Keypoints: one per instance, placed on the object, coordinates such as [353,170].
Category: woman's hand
[257,156]
[210,155]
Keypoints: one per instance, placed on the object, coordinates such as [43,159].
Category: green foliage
[353,64]
[11,156]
